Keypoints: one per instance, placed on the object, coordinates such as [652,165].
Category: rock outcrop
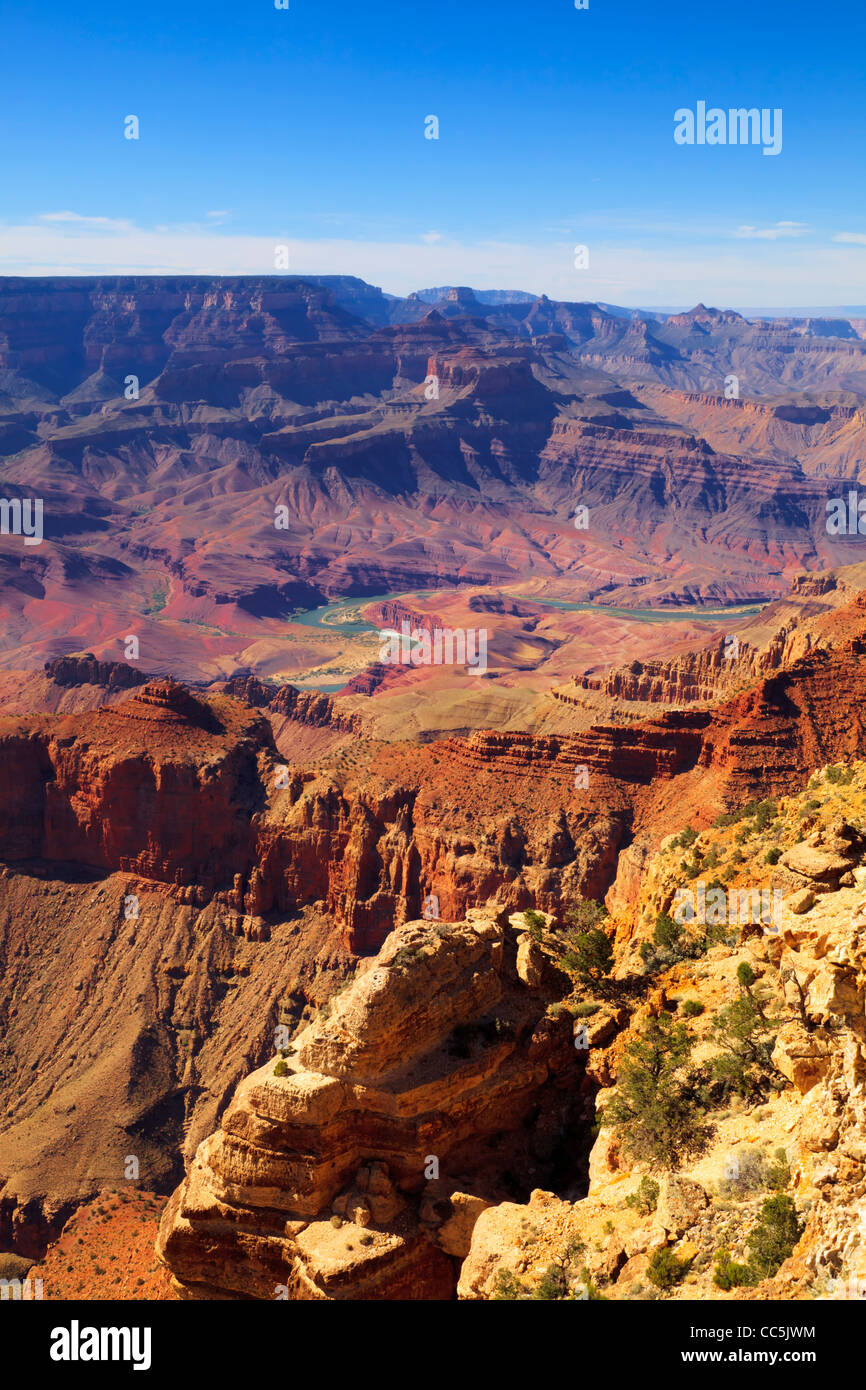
[355,1166]
[800,1133]
[86,670]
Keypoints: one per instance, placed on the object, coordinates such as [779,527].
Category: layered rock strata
[354,1167]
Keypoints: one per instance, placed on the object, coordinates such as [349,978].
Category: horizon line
[307,277]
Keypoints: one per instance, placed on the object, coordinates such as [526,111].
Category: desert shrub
[589,1290]
[667,933]
[839,774]
[744,1065]
[667,945]
[765,812]
[774,1237]
[691,1008]
[534,923]
[493,1029]
[558,1280]
[672,942]
[730,1275]
[281,1069]
[745,1172]
[645,1198]
[585,913]
[685,839]
[506,1285]
[585,1010]
[555,1283]
[665,1270]
[762,812]
[589,956]
[657,1106]
[692,867]
[405,956]
[779,1172]
[751,1169]
[773,855]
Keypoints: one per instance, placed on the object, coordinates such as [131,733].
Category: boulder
[800,1056]
[829,854]
[680,1203]
[800,901]
[833,991]
[455,1234]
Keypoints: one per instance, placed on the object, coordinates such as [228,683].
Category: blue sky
[305,128]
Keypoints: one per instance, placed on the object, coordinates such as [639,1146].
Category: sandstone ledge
[359,1172]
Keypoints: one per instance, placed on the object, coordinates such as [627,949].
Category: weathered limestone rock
[320,1182]
[504,1239]
[800,1056]
[455,1234]
[680,1202]
[834,991]
[800,901]
[604,1157]
[827,856]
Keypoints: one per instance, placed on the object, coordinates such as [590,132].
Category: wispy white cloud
[78,219]
[630,269]
[773,233]
[851,238]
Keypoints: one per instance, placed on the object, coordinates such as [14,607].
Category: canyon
[285,924]
[210,865]
[279,449]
